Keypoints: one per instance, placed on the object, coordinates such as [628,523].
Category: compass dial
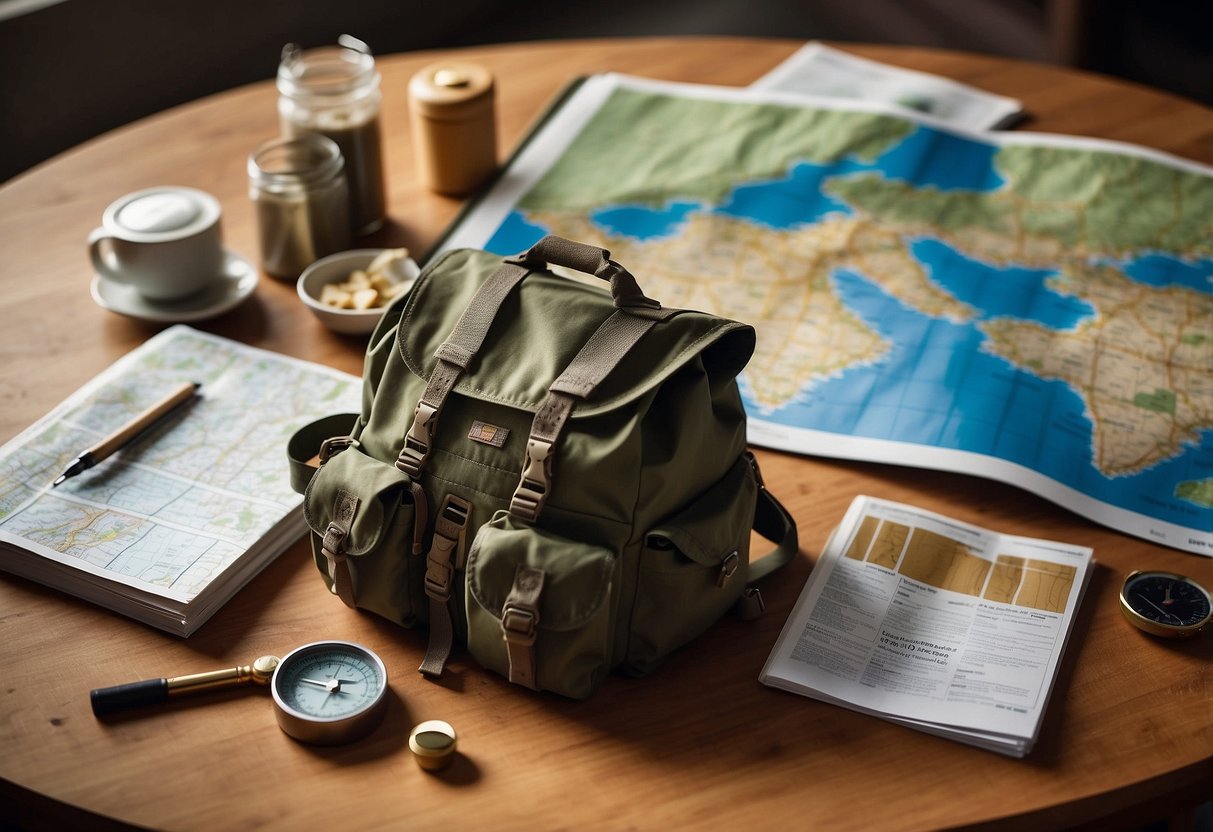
[329,692]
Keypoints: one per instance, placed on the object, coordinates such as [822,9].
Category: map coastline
[1000,308]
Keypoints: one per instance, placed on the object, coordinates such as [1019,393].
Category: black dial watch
[1165,604]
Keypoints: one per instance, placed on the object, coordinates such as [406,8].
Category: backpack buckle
[532,490]
[334,445]
[728,568]
[440,563]
[519,624]
[333,546]
[417,440]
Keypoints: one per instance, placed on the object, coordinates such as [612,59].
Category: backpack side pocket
[363,523]
[693,568]
[538,607]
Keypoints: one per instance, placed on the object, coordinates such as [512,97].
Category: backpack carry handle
[465,341]
[558,251]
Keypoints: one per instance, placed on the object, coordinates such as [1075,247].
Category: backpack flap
[538,607]
[536,343]
[540,327]
[363,514]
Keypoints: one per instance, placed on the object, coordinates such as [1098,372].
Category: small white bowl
[336,268]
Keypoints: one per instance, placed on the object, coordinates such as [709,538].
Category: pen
[125,434]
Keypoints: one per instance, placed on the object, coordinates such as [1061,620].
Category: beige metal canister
[454,128]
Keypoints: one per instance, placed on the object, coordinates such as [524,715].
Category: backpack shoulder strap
[775,523]
[598,357]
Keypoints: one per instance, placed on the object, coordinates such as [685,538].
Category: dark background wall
[72,69]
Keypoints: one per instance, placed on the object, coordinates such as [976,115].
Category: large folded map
[1031,308]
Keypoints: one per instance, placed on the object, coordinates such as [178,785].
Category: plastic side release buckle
[345,507]
[417,440]
[441,562]
[332,546]
[532,490]
[520,624]
[448,531]
[334,445]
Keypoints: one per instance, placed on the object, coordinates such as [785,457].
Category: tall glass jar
[334,91]
[298,188]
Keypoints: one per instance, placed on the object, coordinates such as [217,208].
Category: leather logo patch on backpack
[487,434]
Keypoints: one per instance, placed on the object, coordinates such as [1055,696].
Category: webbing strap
[454,356]
[332,545]
[304,445]
[440,578]
[601,354]
[469,333]
[772,521]
[775,523]
[613,339]
[519,624]
[421,432]
[466,339]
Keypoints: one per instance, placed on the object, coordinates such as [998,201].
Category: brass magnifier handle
[157,691]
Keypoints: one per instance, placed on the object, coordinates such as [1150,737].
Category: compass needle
[329,692]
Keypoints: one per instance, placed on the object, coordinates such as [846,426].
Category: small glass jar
[298,187]
[334,91]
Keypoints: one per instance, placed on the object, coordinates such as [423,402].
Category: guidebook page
[931,622]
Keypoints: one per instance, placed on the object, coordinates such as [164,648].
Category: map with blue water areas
[1031,308]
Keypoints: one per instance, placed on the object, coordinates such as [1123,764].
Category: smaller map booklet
[818,70]
[170,527]
[933,624]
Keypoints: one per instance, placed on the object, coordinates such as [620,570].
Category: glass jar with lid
[334,91]
[298,188]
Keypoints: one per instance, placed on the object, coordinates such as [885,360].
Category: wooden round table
[1128,736]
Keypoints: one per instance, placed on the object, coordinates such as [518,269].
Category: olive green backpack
[555,476]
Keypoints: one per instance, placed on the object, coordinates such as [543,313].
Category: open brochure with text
[934,624]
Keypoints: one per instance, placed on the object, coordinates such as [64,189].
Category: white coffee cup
[166,242]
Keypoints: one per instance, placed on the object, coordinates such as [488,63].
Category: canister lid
[433,744]
[451,89]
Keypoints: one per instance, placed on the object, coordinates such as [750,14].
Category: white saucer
[239,280]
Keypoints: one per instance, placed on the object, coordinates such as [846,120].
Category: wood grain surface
[1128,736]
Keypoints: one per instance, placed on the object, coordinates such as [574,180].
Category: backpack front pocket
[363,519]
[538,607]
[692,569]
